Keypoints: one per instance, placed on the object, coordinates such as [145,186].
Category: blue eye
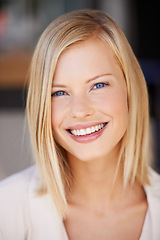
[99,85]
[58,93]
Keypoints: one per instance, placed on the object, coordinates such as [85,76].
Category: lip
[89,137]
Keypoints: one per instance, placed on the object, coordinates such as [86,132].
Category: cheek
[121,112]
[121,106]
[56,115]
[114,104]
[58,109]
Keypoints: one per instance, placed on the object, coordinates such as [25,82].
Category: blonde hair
[66,30]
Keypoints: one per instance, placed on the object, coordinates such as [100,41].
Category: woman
[88,116]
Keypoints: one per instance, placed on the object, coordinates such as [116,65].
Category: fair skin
[89,120]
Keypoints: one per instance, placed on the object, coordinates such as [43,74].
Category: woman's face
[89,101]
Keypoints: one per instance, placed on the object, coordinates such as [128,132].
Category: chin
[88,157]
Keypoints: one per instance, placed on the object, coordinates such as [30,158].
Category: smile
[87,131]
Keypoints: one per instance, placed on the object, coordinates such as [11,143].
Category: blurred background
[21,24]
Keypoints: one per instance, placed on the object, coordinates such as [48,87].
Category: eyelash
[55,94]
[62,93]
[101,85]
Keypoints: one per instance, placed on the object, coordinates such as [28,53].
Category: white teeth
[74,132]
[92,129]
[96,128]
[82,132]
[88,131]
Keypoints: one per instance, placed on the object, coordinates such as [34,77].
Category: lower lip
[89,137]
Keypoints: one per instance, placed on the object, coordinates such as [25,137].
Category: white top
[25,216]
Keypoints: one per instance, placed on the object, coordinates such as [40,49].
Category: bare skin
[96,211]
[118,222]
[89,89]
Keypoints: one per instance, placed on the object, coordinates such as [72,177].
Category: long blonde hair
[61,33]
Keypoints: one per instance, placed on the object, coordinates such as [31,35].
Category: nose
[81,107]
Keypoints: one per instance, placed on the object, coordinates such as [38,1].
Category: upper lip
[84,125]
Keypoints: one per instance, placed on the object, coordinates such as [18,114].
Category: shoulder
[16,186]
[154,189]
[13,203]
[18,179]
[24,214]
[153,197]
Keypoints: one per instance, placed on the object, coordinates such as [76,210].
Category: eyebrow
[98,76]
[58,86]
[88,81]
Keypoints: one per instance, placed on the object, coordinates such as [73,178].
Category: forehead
[91,46]
[92,56]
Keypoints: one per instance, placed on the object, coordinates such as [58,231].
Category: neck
[94,181]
